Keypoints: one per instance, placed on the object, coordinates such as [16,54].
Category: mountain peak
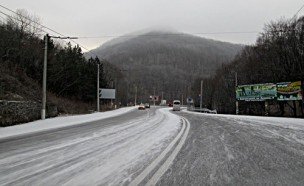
[167,60]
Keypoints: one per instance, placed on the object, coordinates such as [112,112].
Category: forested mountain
[165,61]
[277,56]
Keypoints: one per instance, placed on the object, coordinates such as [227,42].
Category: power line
[295,15]
[2,18]
[166,34]
[52,30]
[31,20]
[20,21]
[38,28]
[110,36]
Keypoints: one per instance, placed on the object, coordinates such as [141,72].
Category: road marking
[152,166]
[155,178]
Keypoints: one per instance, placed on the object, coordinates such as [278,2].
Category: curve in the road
[180,139]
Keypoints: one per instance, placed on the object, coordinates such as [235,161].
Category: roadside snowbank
[59,122]
[290,123]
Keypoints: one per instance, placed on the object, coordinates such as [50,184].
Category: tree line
[69,73]
[277,56]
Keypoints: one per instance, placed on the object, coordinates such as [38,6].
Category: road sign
[190,100]
[107,93]
[154,98]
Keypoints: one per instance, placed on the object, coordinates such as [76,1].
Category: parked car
[170,104]
[141,107]
[213,111]
[147,105]
[176,105]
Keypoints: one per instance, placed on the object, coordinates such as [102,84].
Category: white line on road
[166,165]
[170,159]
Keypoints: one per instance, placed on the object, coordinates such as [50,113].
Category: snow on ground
[58,122]
[110,155]
[291,129]
[291,123]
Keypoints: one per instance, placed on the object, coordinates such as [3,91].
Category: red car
[170,104]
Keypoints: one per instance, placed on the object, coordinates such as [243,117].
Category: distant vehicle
[141,107]
[205,110]
[147,105]
[176,105]
[170,104]
[213,111]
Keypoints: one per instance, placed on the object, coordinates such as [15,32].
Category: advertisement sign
[107,93]
[289,91]
[257,92]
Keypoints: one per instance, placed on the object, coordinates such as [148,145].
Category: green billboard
[257,92]
[289,91]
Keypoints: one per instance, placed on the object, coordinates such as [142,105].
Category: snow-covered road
[239,150]
[111,151]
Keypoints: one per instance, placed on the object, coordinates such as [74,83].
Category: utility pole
[154,97]
[135,99]
[201,97]
[162,95]
[182,99]
[98,95]
[46,40]
[46,43]
[236,102]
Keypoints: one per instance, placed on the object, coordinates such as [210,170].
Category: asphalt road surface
[157,147]
[111,151]
[225,151]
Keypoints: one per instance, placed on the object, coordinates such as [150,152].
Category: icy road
[111,151]
[239,150]
[156,147]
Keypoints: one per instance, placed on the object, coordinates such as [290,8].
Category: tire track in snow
[75,161]
[182,135]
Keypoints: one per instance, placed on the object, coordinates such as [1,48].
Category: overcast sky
[119,17]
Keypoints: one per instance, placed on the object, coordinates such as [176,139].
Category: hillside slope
[165,61]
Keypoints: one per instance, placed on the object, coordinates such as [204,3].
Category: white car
[176,105]
[141,107]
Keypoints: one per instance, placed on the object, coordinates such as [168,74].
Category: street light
[98,93]
[46,41]
[201,96]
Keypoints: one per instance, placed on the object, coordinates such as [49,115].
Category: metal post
[201,97]
[98,96]
[154,97]
[236,102]
[135,99]
[46,40]
[266,108]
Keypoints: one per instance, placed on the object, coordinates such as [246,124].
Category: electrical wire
[3,18]
[295,15]
[165,34]
[11,17]
[52,30]
[124,36]
[130,35]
